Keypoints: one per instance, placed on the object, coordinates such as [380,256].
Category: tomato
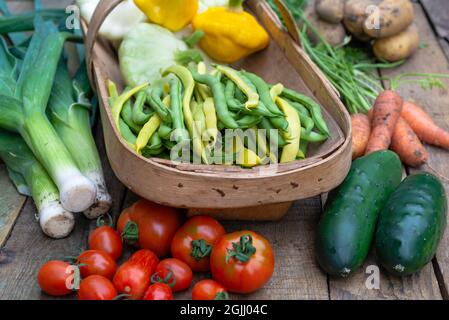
[55,277]
[96,262]
[96,287]
[175,273]
[242,261]
[106,239]
[134,276]
[209,289]
[193,242]
[158,291]
[154,226]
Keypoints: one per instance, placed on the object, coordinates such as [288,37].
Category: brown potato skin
[333,33]
[331,11]
[355,16]
[393,17]
[398,47]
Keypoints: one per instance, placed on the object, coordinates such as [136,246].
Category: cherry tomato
[209,289]
[193,242]
[106,239]
[96,262]
[134,276]
[55,278]
[242,261]
[175,273]
[149,226]
[158,291]
[96,287]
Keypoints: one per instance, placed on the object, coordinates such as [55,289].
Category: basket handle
[103,9]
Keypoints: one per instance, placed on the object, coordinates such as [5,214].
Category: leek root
[55,221]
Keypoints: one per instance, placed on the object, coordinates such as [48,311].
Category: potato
[331,11]
[398,47]
[390,18]
[333,33]
[355,15]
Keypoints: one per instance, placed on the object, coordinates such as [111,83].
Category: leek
[23,102]
[55,221]
[69,113]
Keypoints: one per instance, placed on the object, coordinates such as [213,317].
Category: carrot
[407,145]
[424,126]
[371,115]
[361,130]
[387,109]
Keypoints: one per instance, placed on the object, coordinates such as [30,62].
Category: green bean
[248,121]
[265,124]
[220,125]
[127,134]
[155,142]
[252,97]
[240,95]
[303,146]
[165,131]
[312,136]
[263,90]
[306,121]
[237,106]
[127,117]
[279,123]
[148,153]
[314,108]
[139,116]
[219,97]
[181,133]
[168,144]
[154,99]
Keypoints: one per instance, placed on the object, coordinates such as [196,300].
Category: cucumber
[347,227]
[411,224]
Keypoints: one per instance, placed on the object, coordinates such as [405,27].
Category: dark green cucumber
[347,227]
[411,224]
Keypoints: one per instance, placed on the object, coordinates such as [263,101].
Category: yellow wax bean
[147,131]
[253,97]
[290,151]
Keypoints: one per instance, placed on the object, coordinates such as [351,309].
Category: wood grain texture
[11,203]
[431,59]
[438,12]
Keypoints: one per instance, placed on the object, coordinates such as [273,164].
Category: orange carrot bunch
[399,125]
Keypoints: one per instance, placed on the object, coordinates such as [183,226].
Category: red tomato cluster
[240,262]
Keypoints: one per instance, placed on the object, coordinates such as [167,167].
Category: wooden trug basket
[230,192]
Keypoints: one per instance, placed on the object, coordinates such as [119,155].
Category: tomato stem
[200,249]
[130,233]
[102,222]
[171,275]
[242,250]
[223,295]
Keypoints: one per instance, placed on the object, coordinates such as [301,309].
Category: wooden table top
[24,248]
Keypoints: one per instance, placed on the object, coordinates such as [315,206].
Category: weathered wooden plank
[422,285]
[431,59]
[438,12]
[28,248]
[10,204]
